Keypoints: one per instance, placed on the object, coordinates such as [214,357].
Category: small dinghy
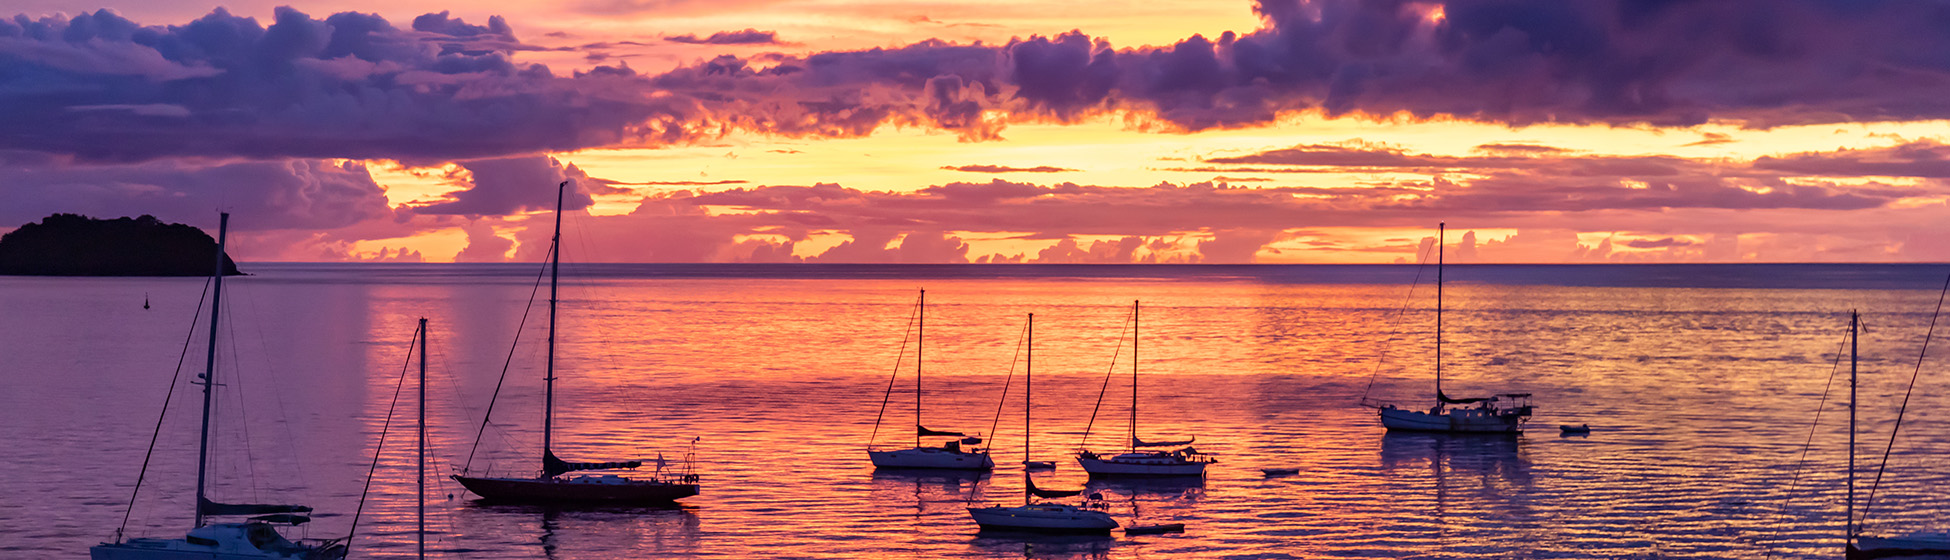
[1580,429]
[1270,473]
[1155,529]
[1039,465]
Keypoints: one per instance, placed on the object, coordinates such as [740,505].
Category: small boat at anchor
[959,452]
[1145,458]
[1092,516]
[550,487]
[1504,413]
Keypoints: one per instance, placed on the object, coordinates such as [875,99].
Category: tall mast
[210,368]
[920,340]
[1854,338]
[1440,236]
[554,275]
[1028,373]
[421,496]
[1134,368]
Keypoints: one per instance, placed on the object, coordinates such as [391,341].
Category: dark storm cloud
[351,85]
[747,37]
[1761,62]
[104,88]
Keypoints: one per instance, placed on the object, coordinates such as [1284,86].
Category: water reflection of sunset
[1697,395]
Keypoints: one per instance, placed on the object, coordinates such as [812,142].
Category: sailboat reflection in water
[958,453]
[550,486]
[256,537]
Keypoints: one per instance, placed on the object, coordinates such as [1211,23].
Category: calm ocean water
[1700,383]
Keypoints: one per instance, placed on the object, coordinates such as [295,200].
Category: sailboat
[1935,545]
[950,455]
[1092,516]
[1505,413]
[550,486]
[255,538]
[1144,458]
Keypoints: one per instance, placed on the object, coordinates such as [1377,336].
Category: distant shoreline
[1903,276]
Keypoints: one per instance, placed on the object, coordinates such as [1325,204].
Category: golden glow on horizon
[1105,151]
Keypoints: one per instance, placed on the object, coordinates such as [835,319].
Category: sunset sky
[1211,131]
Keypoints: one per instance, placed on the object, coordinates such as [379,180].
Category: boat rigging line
[1101,391]
[1795,478]
[898,358]
[1381,358]
[1873,486]
[1013,360]
[195,319]
[384,428]
[505,364]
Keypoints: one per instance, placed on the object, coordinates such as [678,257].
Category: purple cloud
[748,36]
[292,194]
[502,186]
[104,88]
[1657,243]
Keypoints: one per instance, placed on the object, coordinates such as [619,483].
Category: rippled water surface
[1700,385]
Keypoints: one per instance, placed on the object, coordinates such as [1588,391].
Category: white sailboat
[551,487]
[1091,516]
[256,537]
[957,453]
[1505,413]
[1935,545]
[1145,458]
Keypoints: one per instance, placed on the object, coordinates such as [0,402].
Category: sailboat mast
[210,368]
[1134,369]
[421,496]
[1441,236]
[554,276]
[920,340]
[1854,339]
[1028,374]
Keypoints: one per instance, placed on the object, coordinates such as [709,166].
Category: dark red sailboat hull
[548,490]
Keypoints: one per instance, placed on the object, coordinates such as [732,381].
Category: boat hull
[1457,421]
[1043,518]
[221,541]
[1914,546]
[603,490]
[931,458]
[106,551]
[1124,466]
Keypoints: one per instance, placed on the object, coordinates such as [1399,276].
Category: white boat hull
[225,541]
[1048,518]
[1141,464]
[1461,420]
[931,458]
